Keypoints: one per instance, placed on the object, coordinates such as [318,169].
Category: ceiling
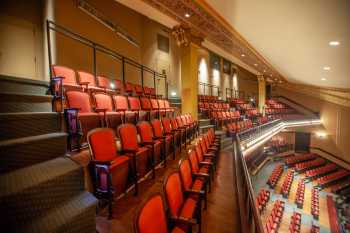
[293,36]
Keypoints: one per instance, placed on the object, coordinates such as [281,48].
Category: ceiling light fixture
[256,64]
[187,15]
[334,43]
[323,79]
[243,55]
[264,71]
[327,68]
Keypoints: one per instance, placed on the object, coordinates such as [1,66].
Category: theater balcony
[159,116]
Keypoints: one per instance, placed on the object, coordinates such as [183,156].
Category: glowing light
[327,68]
[173,93]
[187,15]
[112,85]
[323,79]
[334,43]
[321,134]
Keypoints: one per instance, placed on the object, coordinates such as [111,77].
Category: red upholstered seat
[152,218]
[140,155]
[197,170]
[128,88]
[108,163]
[147,139]
[179,205]
[68,75]
[168,130]
[146,106]
[135,107]
[167,139]
[174,126]
[162,109]
[192,185]
[138,89]
[113,118]
[147,91]
[88,81]
[81,101]
[205,159]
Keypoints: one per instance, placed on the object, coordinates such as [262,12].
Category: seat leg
[110,197]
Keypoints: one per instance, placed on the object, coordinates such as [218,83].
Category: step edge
[24,140]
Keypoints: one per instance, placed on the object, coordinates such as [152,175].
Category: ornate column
[189,69]
[262,93]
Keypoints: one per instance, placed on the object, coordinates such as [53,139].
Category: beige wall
[21,39]
[335,119]
[247,82]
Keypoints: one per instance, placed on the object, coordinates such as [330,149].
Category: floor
[307,219]
[220,216]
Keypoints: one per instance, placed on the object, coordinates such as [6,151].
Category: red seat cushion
[189,208]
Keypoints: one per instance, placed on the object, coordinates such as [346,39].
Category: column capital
[185,36]
[261,78]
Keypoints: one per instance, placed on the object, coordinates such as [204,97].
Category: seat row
[262,199]
[287,183]
[320,171]
[207,98]
[82,80]
[315,209]
[274,219]
[237,127]
[332,178]
[291,161]
[295,223]
[275,175]
[137,153]
[299,196]
[339,187]
[302,167]
[185,190]
[221,118]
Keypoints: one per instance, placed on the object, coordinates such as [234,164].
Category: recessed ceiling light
[327,68]
[187,15]
[334,43]
[264,71]
[243,55]
[323,79]
[256,64]
[271,75]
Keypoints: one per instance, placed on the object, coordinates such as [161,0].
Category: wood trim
[331,154]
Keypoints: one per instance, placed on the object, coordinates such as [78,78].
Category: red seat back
[80,100]
[102,144]
[120,103]
[154,104]
[151,218]
[166,125]
[87,77]
[128,137]
[194,161]
[68,75]
[145,103]
[145,131]
[173,193]
[134,103]
[103,82]
[138,89]
[186,174]
[128,88]
[103,101]
[157,128]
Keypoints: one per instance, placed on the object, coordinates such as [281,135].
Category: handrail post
[48,37]
[94,60]
[142,76]
[154,82]
[123,69]
[166,86]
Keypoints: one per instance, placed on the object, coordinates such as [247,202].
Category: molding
[204,20]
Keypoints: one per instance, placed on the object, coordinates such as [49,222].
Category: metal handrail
[211,86]
[52,26]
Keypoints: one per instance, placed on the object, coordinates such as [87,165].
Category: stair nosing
[5,191]
[23,140]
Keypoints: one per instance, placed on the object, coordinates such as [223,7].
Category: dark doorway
[268,91]
[302,142]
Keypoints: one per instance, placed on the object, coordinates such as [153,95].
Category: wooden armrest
[206,163]
[183,220]
[201,175]
[100,109]
[192,191]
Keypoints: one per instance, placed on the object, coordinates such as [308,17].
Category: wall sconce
[173,93]
[321,134]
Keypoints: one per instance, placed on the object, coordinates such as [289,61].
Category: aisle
[222,215]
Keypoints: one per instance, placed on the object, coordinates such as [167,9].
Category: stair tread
[22,140]
[13,182]
[206,126]
[62,215]
[24,94]
[14,114]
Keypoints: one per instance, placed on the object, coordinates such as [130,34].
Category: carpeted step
[19,102]
[27,151]
[24,124]
[23,85]
[204,122]
[33,190]
[75,216]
